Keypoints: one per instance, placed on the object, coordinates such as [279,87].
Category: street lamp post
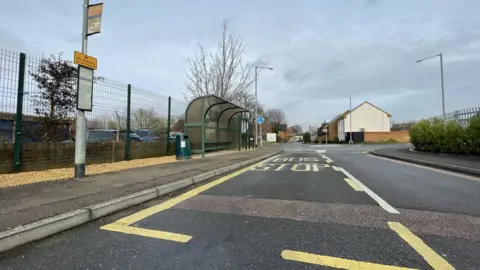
[351,131]
[256,105]
[441,78]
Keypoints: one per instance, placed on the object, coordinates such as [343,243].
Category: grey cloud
[10,40]
[321,51]
[382,66]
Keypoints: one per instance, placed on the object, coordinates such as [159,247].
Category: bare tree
[222,73]
[296,129]
[247,101]
[275,116]
[119,122]
[178,124]
[97,123]
[148,119]
[402,126]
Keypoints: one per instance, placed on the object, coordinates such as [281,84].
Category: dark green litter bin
[182,147]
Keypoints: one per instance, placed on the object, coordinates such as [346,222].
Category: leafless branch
[223,73]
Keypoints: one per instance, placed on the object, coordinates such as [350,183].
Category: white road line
[372,194]
[328,159]
[336,168]
[464,176]
[321,151]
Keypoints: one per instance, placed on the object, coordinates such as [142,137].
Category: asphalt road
[312,207]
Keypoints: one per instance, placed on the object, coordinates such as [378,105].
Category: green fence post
[17,154]
[128,139]
[169,119]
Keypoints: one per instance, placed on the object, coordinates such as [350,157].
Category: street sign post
[91,24]
[260,121]
[84,88]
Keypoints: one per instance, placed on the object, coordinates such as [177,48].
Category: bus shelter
[213,123]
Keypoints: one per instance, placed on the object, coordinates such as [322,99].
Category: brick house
[366,117]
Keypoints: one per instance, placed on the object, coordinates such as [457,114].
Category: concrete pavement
[457,163]
[309,208]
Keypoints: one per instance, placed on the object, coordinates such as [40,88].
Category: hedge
[438,136]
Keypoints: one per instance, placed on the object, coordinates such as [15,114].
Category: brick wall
[400,136]
[43,156]
[333,131]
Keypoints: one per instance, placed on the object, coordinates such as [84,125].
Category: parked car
[106,136]
[148,135]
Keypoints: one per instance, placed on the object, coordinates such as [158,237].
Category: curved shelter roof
[210,121]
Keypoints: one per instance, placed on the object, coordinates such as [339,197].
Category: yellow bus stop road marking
[176,237]
[123,225]
[335,262]
[352,184]
[433,259]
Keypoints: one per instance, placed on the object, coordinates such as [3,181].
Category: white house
[364,117]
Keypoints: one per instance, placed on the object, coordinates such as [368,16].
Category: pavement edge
[31,232]
[447,167]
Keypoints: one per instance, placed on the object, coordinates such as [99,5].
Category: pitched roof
[348,111]
[340,116]
[333,120]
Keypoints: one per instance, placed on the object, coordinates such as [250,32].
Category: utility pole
[351,114]
[81,121]
[441,79]
[443,89]
[256,106]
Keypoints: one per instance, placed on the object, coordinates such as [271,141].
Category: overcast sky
[321,50]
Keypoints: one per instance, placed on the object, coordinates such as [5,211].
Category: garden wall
[399,136]
[43,156]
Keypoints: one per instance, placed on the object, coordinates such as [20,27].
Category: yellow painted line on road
[172,202]
[176,237]
[335,262]
[280,167]
[352,184]
[123,225]
[433,259]
[295,168]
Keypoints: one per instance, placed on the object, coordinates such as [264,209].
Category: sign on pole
[84,88]
[94,21]
[260,119]
[85,60]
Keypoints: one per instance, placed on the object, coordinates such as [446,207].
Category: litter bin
[182,147]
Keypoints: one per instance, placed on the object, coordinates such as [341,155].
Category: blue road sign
[260,119]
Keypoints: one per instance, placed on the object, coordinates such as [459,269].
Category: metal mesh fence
[462,117]
[45,137]
[149,117]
